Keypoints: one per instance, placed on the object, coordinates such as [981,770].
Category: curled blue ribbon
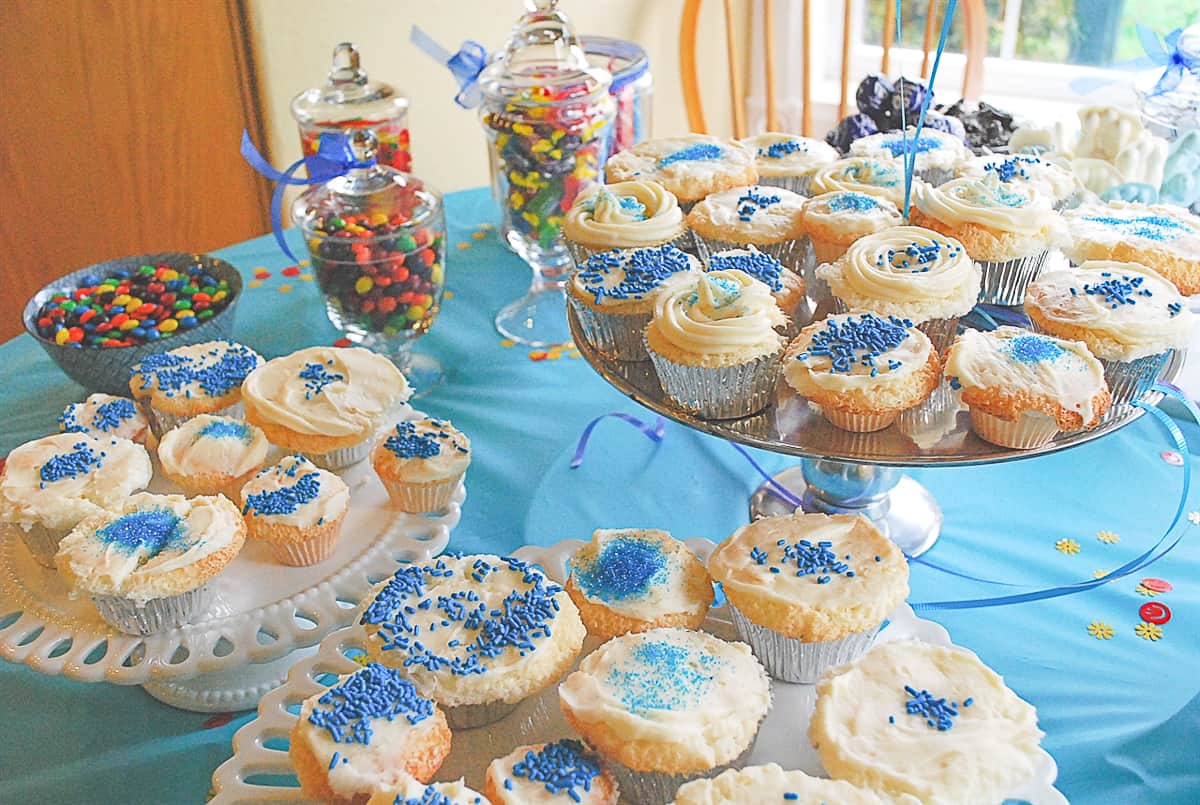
[465,65]
[653,432]
[334,158]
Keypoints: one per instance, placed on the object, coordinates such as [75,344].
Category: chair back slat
[735,73]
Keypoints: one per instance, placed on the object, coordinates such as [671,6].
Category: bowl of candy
[99,321]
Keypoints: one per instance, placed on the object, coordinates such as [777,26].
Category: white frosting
[60,479]
[513,786]
[629,278]
[850,210]
[330,502]
[718,312]
[772,784]
[1152,227]
[989,202]
[659,160]
[874,177]
[696,693]
[353,390]
[1043,176]
[662,563]
[105,415]
[864,733]
[212,370]
[791,156]
[756,213]
[942,150]
[212,445]
[456,793]
[1051,367]
[809,372]
[1154,318]
[401,446]
[624,214]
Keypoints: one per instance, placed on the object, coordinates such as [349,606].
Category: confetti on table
[487,226]
[507,342]
[306,277]
[1098,573]
[219,720]
[1109,537]
[262,274]
[463,246]
[1172,458]
[254,284]
[1155,612]
[1148,631]
[1157,585]
[1142,589]
[448,295]
[285,288]
[303,262]
[1194,518]
[343,342]
[1067,546]
[291,271]
[1100,630]
[480,235]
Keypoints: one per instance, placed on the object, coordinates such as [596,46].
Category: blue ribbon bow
[1166,54]
[465,65]
[334,158]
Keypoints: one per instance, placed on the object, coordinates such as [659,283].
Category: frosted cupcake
[786,286]
[147,561]
[211,455]
[862,369]
[881,178]
[626,215]
[325,402]
[786,160]
[691,166]
[770,783]
[665,707]
[296,508]
[421,463]
[477,634]
[1159,236]
[977,740]
[413,792]
[637,579]
[768,218]
[910,273]
[613,295]
[1046,178]
[368,733]
[937,153]
[833,221]
[808,591]
[544,774]
[714,345]
[171,387]
[48,485]
[103,415]
[1023,388]
[1006,228]
[1130,317]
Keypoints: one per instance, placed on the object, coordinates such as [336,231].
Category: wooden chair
[974,17]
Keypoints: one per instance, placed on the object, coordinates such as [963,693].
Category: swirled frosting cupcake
[210,455]
[714,345]
[666,706]
[1159,236]
[170,387]
[48,485]
[296,508]
[421,463]
[563,772]
[324,402]
[691,166]
[862,369]
[1045,177]
[625,215]
[832,221]
[768,218]
[908,272]
[786,286]
[414,792]
[1130,317]
[146,562]
[882,178]
[937,153]
[1023,388]
[787,160]
[977,740]
[105,415]
[770,783]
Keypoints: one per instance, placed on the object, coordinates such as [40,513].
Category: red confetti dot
[342,342]
[291,271]
[262,275]
[1157,585]
[1155,612]
[219,720]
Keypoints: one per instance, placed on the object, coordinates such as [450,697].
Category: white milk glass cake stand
[263,615]
[260,771]
[855,473]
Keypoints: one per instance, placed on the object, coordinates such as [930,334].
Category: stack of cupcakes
[636,214]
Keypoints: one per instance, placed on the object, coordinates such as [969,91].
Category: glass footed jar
[1173,113]
[377,240]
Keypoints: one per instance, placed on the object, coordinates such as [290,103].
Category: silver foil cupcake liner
[1129,380]
[1069,203]
[858,423]
[792,660]
[429,499]
[471,716]
[719,392]
[940,332]
[160,421]
[1004,282]
[306,552]
[1031,429]
[580,252]
[935,176]
[41,541]
[614,335]
[155,615]
[658,788]
[797,184]
[342,458]
[788,252]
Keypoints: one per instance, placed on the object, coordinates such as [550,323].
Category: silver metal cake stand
[856,473]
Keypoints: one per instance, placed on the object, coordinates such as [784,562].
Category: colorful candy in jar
[392,135]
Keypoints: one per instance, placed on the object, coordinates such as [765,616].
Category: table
[1121,715]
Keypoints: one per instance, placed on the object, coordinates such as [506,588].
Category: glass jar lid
[348,96]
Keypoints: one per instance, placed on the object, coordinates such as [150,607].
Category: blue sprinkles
[938,713]
[287,499]
[916,258]
[430,796]
[781,149]
[317,377]
[849,200]
[857,342]
[216,373]
[663,675]
[627,567]
[1153,227]
[227,429]
[346,710]
[151,529]
[752,201]
[1032,349]
[911,145]
[763,267]
[693,153]
[108,417]
[563,766]
[79,461]
[640,271]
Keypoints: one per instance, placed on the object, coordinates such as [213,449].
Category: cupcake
[975,739]
[833,221]
[210,455]
[691,167]
[1046,178]
[769,218]
[325,402]
[421,462]
[666,706]
[808,591]
[613,295]
[862,369]
[1158,236]
[48,485]
[103,415]
[910,273]
[1023,388]
[626,215]
[147,561]
[637,579]
[714,345]
[786,286]
[1130,317]
[937,153]
[880,178]
[1006,228]
[368,733]
[413,792]
[297,509]
[171,387]
[770,783]
[786,160]
[543,774]
[477,634]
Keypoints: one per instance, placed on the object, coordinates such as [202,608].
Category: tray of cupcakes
[615,670]
[189,538]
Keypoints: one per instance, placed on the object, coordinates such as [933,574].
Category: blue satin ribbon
[910,159]
[334,158]
[653,432]
[465,65]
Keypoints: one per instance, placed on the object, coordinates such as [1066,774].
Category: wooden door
[121,125]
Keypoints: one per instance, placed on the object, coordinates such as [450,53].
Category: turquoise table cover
[1121,715]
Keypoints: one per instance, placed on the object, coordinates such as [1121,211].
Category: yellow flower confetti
[303,262]
[306,277]
[1067,546]
[1142,589]
[285,288]
[448,295]
[462,247]
[1109,537]
[1148,631]
[480,235]
[254,284]
[507,342]
[1098,573]
[486,226]
[1100,630]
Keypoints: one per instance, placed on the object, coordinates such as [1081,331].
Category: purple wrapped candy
[850,129]
[950,125]
[909,96]
[985,125]
[874,96]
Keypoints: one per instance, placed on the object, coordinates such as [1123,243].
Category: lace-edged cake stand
[263,614]
[260,771]
[858,473]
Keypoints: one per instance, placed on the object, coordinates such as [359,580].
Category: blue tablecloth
[1121,715]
